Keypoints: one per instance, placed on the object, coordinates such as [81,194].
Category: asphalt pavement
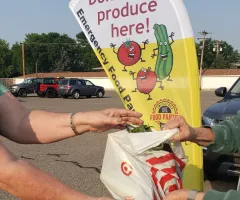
[77,161]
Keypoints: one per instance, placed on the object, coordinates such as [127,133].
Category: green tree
[6,68]
[17,59]
[49,52]
[87,58]
[209,55]
[220,63]
[229,56]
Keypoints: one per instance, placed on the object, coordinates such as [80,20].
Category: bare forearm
[35,127]
[47,127]
[23,180]
[22,126]
[203,136]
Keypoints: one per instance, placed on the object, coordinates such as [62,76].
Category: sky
[19,17]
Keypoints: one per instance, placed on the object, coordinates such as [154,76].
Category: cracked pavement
[77,161]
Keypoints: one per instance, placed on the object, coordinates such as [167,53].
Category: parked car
[48,87]
[28,86]
[216,164]
[79,87]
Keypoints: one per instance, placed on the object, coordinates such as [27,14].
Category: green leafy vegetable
[145,128]
[139,129]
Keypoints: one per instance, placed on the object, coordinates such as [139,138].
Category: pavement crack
[27,158]
[79,165]
[58,155]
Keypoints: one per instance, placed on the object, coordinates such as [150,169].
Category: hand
[131,73]
[153,55]
[112,45]
[172,34]
[182,195]
[177,195]
[186,133]
[146,42]
[101,121]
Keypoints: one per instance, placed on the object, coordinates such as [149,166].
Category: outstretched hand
[104,120]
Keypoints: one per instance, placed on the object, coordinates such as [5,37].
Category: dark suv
[215,164]
[28,86]
[79,87]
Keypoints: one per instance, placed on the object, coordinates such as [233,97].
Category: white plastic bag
[131,171]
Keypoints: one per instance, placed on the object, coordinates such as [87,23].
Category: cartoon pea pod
[164,62]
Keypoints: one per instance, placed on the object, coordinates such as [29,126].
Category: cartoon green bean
[164,62]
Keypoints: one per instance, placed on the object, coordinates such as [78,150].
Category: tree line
[50,52]
[54,52]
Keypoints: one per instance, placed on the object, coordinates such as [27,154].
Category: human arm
[210,195]
[34,127]
[26,182]
[222,138]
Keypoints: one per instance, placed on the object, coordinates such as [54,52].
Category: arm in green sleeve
[227,136]
[215,195]
[3,89]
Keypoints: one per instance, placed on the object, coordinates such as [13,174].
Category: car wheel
[209,177]
[41,95]
[76,95]
[100,94]
[89,96]
[65,96]
[22,93]
[51,93]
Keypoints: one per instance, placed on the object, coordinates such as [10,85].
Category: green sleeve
[227,136]
[3,89]
[215,195]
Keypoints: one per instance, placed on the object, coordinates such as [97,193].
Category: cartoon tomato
[129,53]
[146,81]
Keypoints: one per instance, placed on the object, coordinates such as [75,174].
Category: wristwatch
[192,194]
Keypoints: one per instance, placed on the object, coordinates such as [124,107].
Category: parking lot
[77,161]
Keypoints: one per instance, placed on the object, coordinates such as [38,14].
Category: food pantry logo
[163,111]
[126,169]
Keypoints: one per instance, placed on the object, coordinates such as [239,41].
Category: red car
[48,87]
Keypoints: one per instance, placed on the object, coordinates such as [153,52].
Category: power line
[46,44]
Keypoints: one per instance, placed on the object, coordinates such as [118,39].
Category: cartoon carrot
[164,62]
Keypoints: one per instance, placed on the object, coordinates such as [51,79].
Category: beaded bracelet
[73,125]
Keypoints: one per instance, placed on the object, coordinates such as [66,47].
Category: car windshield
[27,81]
[73,82]
[89,83]
[49,81]
[63,82]
[236,89]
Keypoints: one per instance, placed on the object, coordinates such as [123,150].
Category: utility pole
[23,61]
[217,48]
[36,68]
[204,34]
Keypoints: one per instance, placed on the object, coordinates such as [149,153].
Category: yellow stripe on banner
[193,173]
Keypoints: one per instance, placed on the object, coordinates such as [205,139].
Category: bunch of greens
[139,129]
[145,128]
